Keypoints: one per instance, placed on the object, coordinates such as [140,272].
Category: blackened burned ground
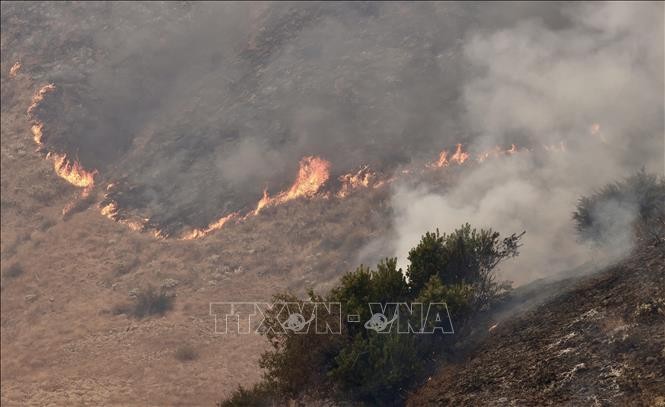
[193,123]
[601,343]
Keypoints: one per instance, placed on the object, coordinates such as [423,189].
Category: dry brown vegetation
[61,340]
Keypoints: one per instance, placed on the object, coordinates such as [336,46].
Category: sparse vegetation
[152,302]
[13,271]
[147,302]
[368,366]
[125,266]
[46,224]
[186,353]
[654,307]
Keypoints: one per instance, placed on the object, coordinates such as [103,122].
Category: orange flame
[360,179]
[37,133]
[72,171]
[313,173]
[198,233]
[13,71]
[110,210]
[38,97]
[460,156]
[442,161]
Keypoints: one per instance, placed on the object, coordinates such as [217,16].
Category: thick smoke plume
[192,109]
[595,83]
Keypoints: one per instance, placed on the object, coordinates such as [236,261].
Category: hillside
[600,343]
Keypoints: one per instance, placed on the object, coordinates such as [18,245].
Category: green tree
[466,256]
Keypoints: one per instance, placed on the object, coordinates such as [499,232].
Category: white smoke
[596,85]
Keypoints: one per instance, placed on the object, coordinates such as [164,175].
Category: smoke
[597,85]
[192,109]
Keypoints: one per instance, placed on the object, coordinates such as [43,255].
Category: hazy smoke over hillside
[194,108]
[596,83]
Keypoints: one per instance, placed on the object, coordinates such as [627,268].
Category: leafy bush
[466,256]
[378,368]
[455,270]
[635,202]
[298,360]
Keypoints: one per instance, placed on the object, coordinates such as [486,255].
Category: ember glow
[38,97]
[13,71]
[110,210]
[460,156]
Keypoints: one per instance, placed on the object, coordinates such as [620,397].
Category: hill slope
[601,343]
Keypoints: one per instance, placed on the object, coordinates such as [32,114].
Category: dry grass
[186,353]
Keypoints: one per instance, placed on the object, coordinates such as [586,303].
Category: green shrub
[466,256]
[378,368]
[298,361]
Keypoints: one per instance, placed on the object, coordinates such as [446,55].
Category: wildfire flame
[460,156]
[360,179]
[67,169]
[110,210]
[72,171]
[198,233]
[442,161]
[37,133]
[313,173]
[38,97]
[13,71]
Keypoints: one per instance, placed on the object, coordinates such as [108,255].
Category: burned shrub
[637,202]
